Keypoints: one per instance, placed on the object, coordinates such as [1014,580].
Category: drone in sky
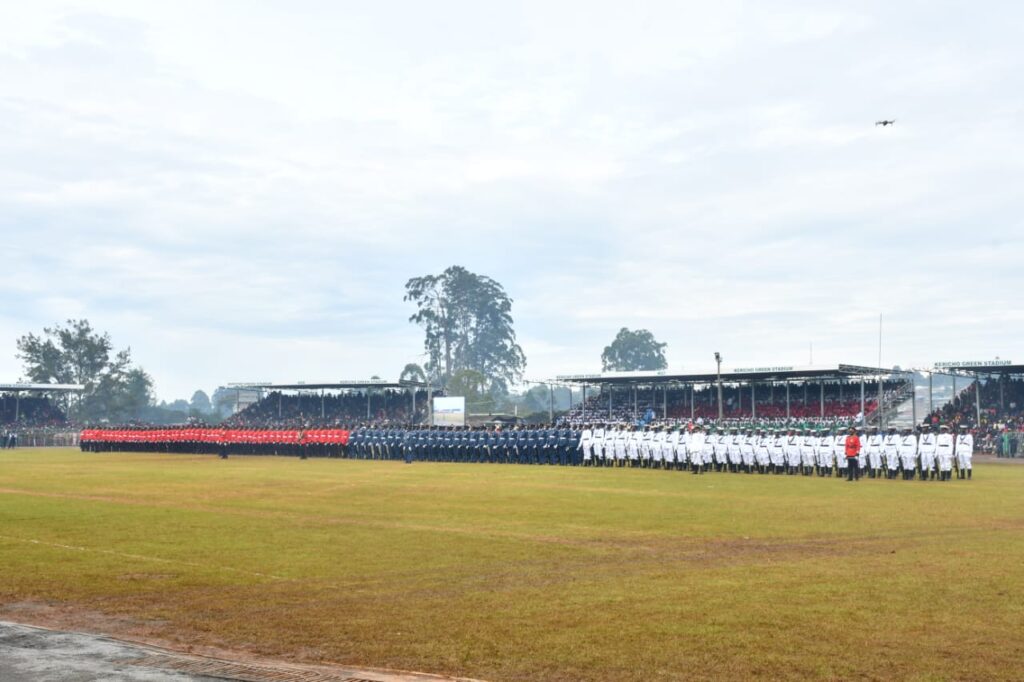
[886,123]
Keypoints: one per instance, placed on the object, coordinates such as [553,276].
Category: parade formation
[697,448]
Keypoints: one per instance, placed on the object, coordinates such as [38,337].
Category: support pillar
[863,413]
[977,398]
[787,399]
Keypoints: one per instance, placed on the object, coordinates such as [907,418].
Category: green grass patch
[520,572]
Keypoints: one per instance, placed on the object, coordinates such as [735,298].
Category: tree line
[469,342]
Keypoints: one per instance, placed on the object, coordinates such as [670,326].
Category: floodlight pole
[584,403]
[753,400]
[551,404]
[931,408]
[718,362]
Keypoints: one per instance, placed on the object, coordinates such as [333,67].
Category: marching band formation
[697,448]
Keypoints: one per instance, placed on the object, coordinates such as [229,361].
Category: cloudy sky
[240,190]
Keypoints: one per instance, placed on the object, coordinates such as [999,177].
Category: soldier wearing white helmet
[926,452]
[964,452]
[944,453]
[891,452]
[908,453]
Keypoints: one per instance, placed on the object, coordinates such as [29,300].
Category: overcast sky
[239,190]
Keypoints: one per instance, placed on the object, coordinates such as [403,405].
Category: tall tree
[413,372]
[467,322]
[634,351]
[224,399]
[201,402]
[75,353]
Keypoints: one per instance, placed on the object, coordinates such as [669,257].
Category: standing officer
[852,451]
[964,452]
[891,450]
[908,453]
[944,453]
[926,450]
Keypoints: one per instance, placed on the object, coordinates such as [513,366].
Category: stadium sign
[751,370]
[979,363]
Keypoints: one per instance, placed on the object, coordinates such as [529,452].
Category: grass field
[524,573]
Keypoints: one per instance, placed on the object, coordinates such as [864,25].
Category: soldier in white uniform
[732,450]
[777,452]
[891,451]
[720,447]
[633,446]
[792,452]
[597,443]
[862,458]
[646,441]
[824,453]
[710,444]
[656,448]
[839,453]
[747,445]
[874,453]
[668,448]
[807,446]
[621,444]
[682,448]
[964,452]
[908,453]
[926,452]
[762,451]
[695,450]
[944,453]
[585,445]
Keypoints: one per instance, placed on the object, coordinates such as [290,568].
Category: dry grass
[514,573]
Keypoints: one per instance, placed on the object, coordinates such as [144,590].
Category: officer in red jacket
[852,452]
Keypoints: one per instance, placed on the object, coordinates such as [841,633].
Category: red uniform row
[218,436]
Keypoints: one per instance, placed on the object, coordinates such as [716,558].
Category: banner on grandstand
[976,363]
[450,411]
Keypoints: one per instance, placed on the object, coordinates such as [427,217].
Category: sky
[239,191]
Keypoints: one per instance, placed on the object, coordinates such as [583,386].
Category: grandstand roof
[328,385]
[42,388]
[729,375]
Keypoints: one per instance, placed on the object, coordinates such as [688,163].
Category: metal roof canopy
[329,385]
[42,388]
[739,375]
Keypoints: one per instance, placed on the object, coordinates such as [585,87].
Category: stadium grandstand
[306,405]
[846,393]
[30,414]
[991,404]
